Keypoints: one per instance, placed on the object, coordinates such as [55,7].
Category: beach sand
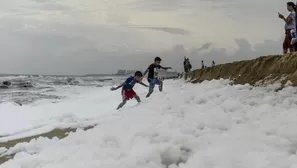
[59,133]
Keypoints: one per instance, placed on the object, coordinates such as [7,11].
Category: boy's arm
[143,84]
[146,71]
[165,67]
[115,88]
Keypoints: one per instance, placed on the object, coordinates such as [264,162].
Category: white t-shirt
[292,24]
[156,73]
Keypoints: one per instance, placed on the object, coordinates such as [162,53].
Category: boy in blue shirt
[127,88]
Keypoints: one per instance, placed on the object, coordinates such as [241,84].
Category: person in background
[202,65]
[289,25]
[213,64]
[189,65]
[153,77]
[295,44]
[127,88]
[186,69]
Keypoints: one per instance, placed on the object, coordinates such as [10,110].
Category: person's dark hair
[292,5]
[138,73]
[158,59]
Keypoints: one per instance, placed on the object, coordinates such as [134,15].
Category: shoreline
[59,133]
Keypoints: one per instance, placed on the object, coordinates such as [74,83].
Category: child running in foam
[127,88]
[153,75]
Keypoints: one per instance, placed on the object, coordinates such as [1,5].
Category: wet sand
[60,133]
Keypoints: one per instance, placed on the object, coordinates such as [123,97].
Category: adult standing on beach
[186,70]
[213,64]
[289,25]
[187,65]
[295,44]
[202,65]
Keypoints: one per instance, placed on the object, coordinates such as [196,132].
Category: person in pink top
[289,25]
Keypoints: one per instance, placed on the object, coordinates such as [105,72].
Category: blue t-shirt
[129,83]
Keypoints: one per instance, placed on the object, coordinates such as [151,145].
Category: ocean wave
[28,89]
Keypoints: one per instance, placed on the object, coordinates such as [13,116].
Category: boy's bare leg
[122,104]
[137,98]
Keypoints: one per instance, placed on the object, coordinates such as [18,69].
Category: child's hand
[112,88]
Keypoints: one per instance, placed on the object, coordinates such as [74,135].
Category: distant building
[125,72]
[121,72]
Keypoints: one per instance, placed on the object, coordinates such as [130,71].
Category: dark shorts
[128,94]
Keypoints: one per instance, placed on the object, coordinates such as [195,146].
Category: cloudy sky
[101,36]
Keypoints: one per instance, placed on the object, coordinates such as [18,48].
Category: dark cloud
[50,54]
[268,47]
[170,30]
[174,57]
[245,51]
[43,54]
[205,46]
[62,51]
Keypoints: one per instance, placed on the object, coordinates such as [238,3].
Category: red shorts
[128,94]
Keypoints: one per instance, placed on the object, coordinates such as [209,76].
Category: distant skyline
[90,36]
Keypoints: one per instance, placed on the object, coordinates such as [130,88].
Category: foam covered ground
[207,125]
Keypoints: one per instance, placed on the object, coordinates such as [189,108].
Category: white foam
[203,125]
[80,109]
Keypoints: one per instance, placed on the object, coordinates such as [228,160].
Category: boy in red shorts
[127,88]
